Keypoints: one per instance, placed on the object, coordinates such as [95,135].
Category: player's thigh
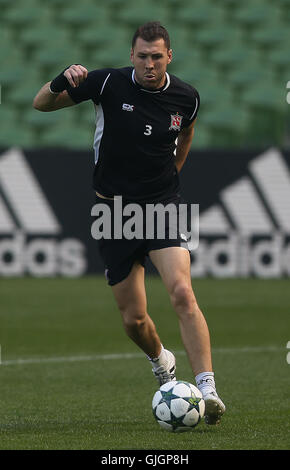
[173,265]
[130,293]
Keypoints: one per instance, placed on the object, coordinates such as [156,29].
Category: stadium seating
[80,15]
[256,13]
[67,137]
[138,13]
[42,34]
[235,53]
[199,14]
[23,14]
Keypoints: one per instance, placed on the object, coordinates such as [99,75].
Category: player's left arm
[183,145]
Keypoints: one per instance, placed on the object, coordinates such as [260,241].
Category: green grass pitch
[71,379]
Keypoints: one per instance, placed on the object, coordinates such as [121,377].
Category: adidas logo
[25,213]
[248,232]
[23,204]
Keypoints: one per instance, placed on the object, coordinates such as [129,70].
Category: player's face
[150,60]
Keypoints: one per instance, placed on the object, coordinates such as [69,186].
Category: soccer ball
[178,406]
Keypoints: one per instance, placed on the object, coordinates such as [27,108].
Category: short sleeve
[91,88]
[195,107]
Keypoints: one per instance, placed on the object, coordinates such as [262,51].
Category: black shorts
[119,255]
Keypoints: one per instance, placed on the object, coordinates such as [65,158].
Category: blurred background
[236,54]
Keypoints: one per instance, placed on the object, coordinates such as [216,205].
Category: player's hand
[75,75]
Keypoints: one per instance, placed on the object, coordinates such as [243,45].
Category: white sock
[160,360]
[205,382]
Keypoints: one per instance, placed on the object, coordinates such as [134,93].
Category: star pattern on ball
[168,396]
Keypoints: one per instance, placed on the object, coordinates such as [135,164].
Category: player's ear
[169,55]
[132,56]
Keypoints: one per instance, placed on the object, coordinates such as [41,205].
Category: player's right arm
[53,95]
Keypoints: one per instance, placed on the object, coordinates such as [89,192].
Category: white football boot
[214,408]
[164,369]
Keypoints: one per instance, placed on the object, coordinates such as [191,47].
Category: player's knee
[183,298]
[133,320]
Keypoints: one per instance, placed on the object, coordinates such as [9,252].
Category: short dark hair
[150,32]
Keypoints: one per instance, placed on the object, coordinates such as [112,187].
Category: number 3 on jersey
[148,130]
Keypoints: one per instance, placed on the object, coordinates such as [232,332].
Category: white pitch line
[118,356]
[97,357]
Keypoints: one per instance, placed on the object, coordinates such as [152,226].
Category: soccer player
[144,127]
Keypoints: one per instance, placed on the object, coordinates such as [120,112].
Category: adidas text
[41,257]
[240,256]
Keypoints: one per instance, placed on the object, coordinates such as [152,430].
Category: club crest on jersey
[175,122]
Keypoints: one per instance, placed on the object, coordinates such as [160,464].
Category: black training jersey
[136,132]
